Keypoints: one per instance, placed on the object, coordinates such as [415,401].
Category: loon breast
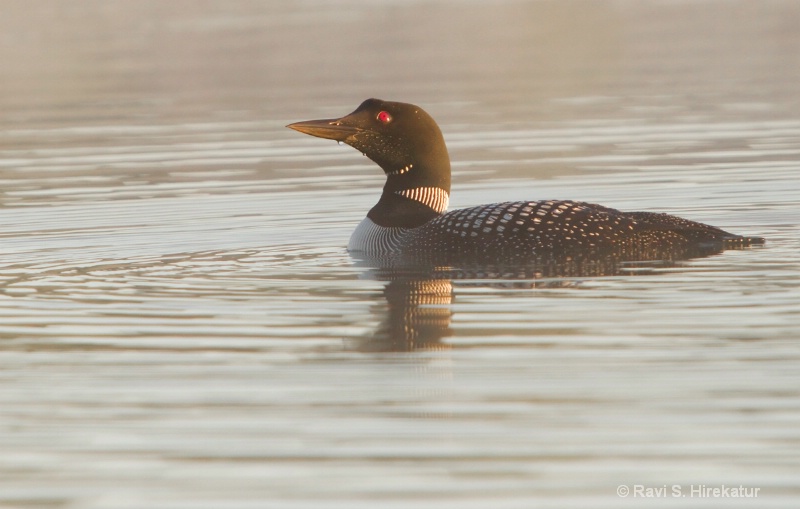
[374,240]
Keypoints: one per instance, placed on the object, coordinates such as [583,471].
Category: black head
[402,138]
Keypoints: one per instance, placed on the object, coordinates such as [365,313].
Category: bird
[411,220]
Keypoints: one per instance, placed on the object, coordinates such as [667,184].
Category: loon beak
[330,129]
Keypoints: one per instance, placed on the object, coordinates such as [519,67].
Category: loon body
[410,219]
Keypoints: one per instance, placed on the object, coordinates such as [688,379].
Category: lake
[181,325]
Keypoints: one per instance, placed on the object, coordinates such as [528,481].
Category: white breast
[370,238]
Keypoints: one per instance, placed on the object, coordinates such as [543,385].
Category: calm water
[181,326]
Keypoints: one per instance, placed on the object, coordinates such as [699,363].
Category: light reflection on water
[181,326]
[150,364]
[140,350]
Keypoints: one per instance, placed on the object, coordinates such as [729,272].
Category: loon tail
[738,241]
[693,231]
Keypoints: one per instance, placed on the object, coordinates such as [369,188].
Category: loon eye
[384,117]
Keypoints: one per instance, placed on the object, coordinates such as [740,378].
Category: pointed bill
[330,129]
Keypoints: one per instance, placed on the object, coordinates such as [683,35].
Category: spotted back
[524,227]
[520,231]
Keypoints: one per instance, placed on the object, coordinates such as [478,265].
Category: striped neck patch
[434,197]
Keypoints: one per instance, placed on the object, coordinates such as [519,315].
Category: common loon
[410,219]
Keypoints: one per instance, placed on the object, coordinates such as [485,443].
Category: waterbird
[411,219]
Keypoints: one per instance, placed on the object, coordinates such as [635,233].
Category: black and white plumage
[410,220]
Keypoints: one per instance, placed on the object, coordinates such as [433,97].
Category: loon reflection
[419,298]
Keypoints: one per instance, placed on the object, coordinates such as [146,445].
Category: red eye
[384,117]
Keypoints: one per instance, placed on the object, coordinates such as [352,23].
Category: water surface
[181,326]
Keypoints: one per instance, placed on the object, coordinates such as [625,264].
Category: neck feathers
[433,197]
[409,208]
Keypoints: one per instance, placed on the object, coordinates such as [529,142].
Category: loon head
[401,138]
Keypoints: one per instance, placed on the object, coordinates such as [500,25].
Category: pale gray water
[181,327]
